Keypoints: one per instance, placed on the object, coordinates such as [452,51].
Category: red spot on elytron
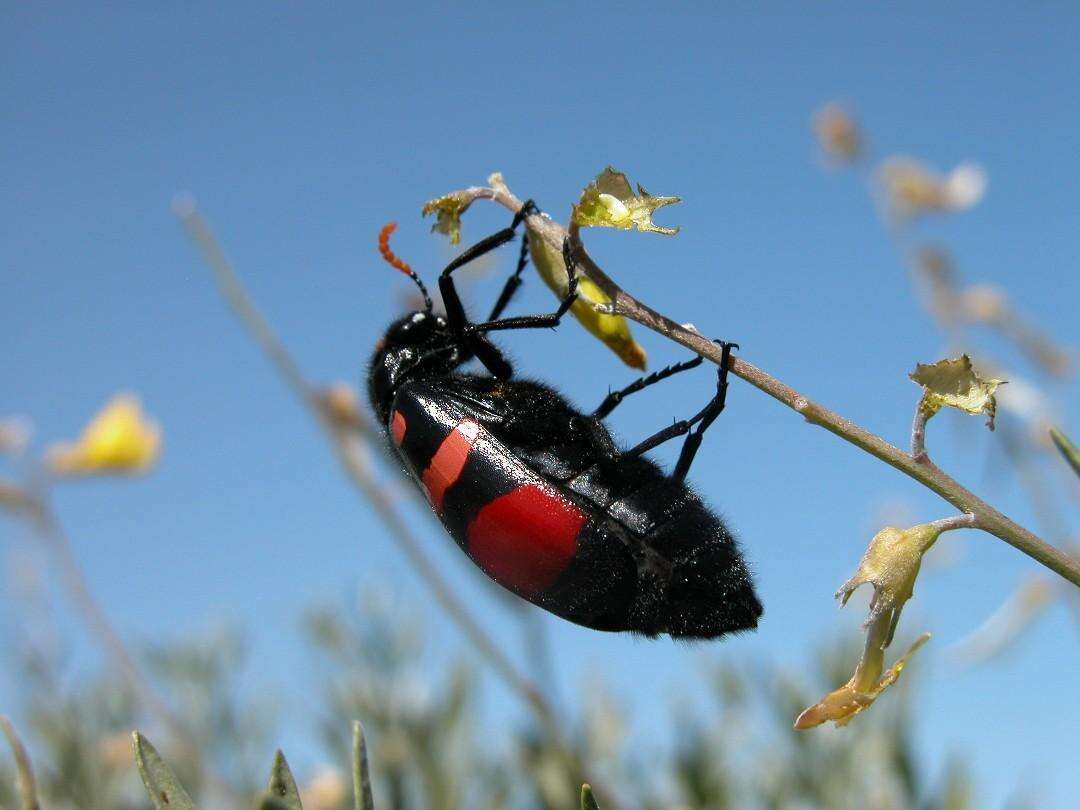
[397,428]
[526,538]
[448,462]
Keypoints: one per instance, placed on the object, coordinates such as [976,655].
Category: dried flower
[448,210]
[341,405]
[865,686]
[891,564]
[609,201]
[955,384]
[118,440]
[914,189]
[837,133]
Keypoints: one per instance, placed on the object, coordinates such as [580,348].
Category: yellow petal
[841,705]
[448,210]
[609,201]
[955,384]
[119,439]
[612,330]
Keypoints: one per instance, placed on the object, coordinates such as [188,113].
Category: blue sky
[302,130]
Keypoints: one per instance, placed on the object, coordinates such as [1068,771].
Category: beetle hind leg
[693,428]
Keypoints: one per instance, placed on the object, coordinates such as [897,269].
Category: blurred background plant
[734,745]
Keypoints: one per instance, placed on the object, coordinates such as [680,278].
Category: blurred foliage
[430,748]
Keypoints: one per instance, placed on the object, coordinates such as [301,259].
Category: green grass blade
[27,787]
[361,777]
[1067,448]
[587,800]
[283,785]
[272,802]
[165,791]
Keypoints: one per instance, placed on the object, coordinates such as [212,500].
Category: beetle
[535,491]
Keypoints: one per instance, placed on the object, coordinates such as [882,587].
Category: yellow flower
[118,440]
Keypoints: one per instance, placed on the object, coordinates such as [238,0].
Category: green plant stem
[921,469]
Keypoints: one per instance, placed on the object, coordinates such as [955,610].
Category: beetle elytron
[536,492]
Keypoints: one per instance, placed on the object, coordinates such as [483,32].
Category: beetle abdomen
[619,548]
[520,529]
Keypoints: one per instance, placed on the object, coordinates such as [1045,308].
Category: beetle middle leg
[693,428]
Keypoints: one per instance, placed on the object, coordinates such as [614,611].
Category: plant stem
[922,470]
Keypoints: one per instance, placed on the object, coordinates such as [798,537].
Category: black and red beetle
[536,492]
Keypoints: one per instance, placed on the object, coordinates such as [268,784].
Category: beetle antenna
[394,261]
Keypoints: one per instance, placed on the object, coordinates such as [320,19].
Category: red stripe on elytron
[526,538]
[397,428]
[448,462]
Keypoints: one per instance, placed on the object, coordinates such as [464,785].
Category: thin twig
[922,470]
[351,447]
[918,430]
[966,521]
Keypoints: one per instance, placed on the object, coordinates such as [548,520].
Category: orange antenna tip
[387,254]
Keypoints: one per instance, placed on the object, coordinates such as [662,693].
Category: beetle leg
[489,355]
[514,281]
[614,398]
[686,427]
[455,311]
[536,321]
[708,416]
